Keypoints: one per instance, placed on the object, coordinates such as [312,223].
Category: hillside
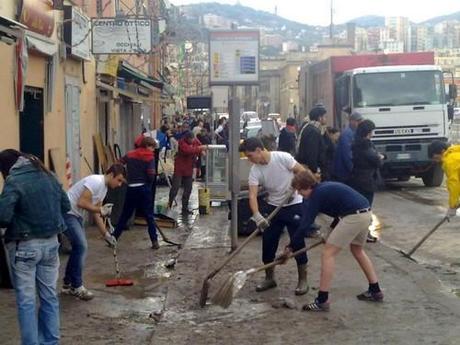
[437,20]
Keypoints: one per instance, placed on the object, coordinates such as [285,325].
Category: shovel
[205,287]
[419,243]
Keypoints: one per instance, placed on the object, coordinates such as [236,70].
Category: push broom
[117,281]
[205,287]
[227,292]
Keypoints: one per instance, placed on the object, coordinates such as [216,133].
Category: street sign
[233,57]
[121,35]
[76,33]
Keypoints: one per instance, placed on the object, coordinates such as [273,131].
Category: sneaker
[66,289]
[155,245]
[371,296]
[316,306]
[82,293]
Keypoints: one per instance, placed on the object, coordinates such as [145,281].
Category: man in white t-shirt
[274,172]
[87,195]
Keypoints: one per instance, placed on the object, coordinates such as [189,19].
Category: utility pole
[331,27]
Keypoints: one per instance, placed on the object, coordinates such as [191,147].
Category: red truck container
[317,81]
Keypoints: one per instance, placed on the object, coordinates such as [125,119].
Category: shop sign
[108,64]
[77,34]
[38,16]
[121,35]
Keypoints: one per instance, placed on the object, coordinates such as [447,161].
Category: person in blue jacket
[32,206]
[343,159]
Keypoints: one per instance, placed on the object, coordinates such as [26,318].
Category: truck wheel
[433,177]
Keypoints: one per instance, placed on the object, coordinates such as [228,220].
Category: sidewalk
[415,310]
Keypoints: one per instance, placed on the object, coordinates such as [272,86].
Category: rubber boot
[269,281]
[302,284]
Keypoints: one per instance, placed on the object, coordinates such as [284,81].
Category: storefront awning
[10,30]
[130,73]
[126,93]
[41,43]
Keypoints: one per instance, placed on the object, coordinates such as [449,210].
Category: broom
[227,292]
[117,281]
[205,287]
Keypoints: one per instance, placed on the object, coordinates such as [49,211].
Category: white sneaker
[82,293]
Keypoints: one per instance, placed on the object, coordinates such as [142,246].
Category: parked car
[249,116]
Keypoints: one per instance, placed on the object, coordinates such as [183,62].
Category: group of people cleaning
[35,209]
[313,189]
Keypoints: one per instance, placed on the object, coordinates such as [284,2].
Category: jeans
[289,217]
[76,234]
[138,198]
[35,268]
[187,183]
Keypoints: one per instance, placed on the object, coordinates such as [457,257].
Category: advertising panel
[38,16]
[234,57]
[77,33]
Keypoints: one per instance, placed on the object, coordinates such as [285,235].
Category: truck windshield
[397,88]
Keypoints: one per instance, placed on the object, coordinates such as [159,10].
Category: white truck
[409,106]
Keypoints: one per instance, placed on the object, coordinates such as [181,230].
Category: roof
[404,68]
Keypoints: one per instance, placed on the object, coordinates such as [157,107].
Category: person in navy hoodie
[140,164]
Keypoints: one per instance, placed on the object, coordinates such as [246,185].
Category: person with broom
[140,166]
[353,212]
[87,195]
[274,171]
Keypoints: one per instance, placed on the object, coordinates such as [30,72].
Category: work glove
[260,221]
[110,239]
[451,212]
[106,210]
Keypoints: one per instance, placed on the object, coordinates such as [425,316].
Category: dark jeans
[289,217]
[138,198]
[187,184]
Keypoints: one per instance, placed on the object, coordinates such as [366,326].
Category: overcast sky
[317,12]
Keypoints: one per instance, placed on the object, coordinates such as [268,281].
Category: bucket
[204,201]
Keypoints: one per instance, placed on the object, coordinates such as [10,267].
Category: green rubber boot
[302,284]
[269,281]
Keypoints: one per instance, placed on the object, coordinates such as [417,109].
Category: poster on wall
[233,57]
[121,36]
[38,16]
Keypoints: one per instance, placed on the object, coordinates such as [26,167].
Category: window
[398,89]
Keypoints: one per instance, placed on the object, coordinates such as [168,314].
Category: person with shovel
[449,157]
[87,195]
[274,171]
[352,210]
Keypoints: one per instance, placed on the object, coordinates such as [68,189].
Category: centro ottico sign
[121,35]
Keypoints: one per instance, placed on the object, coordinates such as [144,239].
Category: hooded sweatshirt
[140,165]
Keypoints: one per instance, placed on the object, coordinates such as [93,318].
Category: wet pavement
[422,304]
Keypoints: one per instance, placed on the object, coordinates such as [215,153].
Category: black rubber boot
[302,284]
[269,281]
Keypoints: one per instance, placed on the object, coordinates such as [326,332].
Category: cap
[356,116]
[316,112]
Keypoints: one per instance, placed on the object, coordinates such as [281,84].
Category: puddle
[240,311]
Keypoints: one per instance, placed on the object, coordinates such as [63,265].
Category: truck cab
[409,107]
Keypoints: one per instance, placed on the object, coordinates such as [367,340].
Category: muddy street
[421,305]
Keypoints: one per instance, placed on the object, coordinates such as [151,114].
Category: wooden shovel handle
[249,238]
[281,261]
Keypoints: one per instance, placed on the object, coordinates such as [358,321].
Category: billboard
[233,57]
[121,35]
